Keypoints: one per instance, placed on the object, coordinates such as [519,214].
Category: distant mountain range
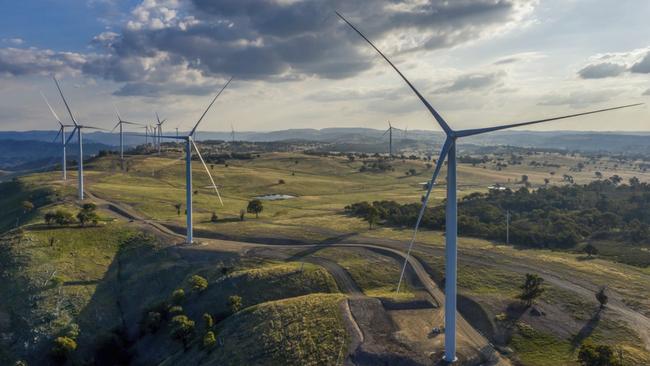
[30,149]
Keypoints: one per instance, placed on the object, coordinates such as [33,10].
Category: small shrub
[182,329]
[178,296]
[175,310]
[198,283]
[209,340]
[208,321]
[235,303]
[214,217]
[281,181]
[63,347]
[153,322]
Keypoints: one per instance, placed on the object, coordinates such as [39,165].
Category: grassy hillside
[305,330]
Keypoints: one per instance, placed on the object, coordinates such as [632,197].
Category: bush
[182,329]
[281,181]
[214,217]
[209,340]
[59,217]
[235,303]
[178,296]
[152,322]
[208,321]
[175,310]
[63,347]
[198,283]
[596,355]
[255,206]
[88,214]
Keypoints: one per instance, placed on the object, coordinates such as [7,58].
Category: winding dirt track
[463,327]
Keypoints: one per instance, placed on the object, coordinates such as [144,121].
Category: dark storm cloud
[643,66]
[473,81]
[269,39]
[252,39]
[602,70]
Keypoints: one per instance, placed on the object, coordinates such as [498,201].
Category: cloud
[579,99]
[28,61]
[13,41]
[647,92]
[602,70]
[643,66]
[473,81]
[286,40]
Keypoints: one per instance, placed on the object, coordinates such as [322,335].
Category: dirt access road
[468,336]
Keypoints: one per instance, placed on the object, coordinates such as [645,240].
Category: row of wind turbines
[448,152]
[157,136]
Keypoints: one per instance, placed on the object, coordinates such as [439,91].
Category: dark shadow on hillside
[307,252]
[583,258]
[80,283]
[586,330]
[339,238]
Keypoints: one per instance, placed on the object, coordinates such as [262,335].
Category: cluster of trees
[182,328]
[550,217]
[87,215]
[378,166]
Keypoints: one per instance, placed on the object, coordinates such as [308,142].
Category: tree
[235,303]
[596,355]
[87,215]
[602,297]
[372,216]
[531,289]
[214,217]
[590,250]
[178,296]
[208,321]
[63,217]
[178,207]
[209,340]
[153,321]
[616,179]
[524,179]
[281,181]
[242,214]
[27,206]
[255,206]
[63,347]
[598,175]
[182,329]
[198,283]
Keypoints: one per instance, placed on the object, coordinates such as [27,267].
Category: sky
[294,64]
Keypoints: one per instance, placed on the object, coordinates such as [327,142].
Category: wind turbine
[232,133]
[120,123]
[451,229]
[159,124]
[389,131]
[77,128]
[189,142]
[62,133]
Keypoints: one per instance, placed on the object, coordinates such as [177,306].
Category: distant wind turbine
[389,131]
[120,123]
[62,133]
[189,142]
[232,133]
[159,124]
[77,128]
[449,151]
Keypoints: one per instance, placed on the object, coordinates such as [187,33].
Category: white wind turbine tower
[449,151]
[120,123]
[389,131]
[189,142]
[77,128]
[158,127]
[62,133]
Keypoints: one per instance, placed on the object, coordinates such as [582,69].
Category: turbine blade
[93,128]
[209,106]
[116,125]
[51,109]
[478,131]
[117,113]
[443,154]
[132,123]
[435,113]
[71,135]
[206,170]
[385,132]
[158,118]
[57,134]
[65,101]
